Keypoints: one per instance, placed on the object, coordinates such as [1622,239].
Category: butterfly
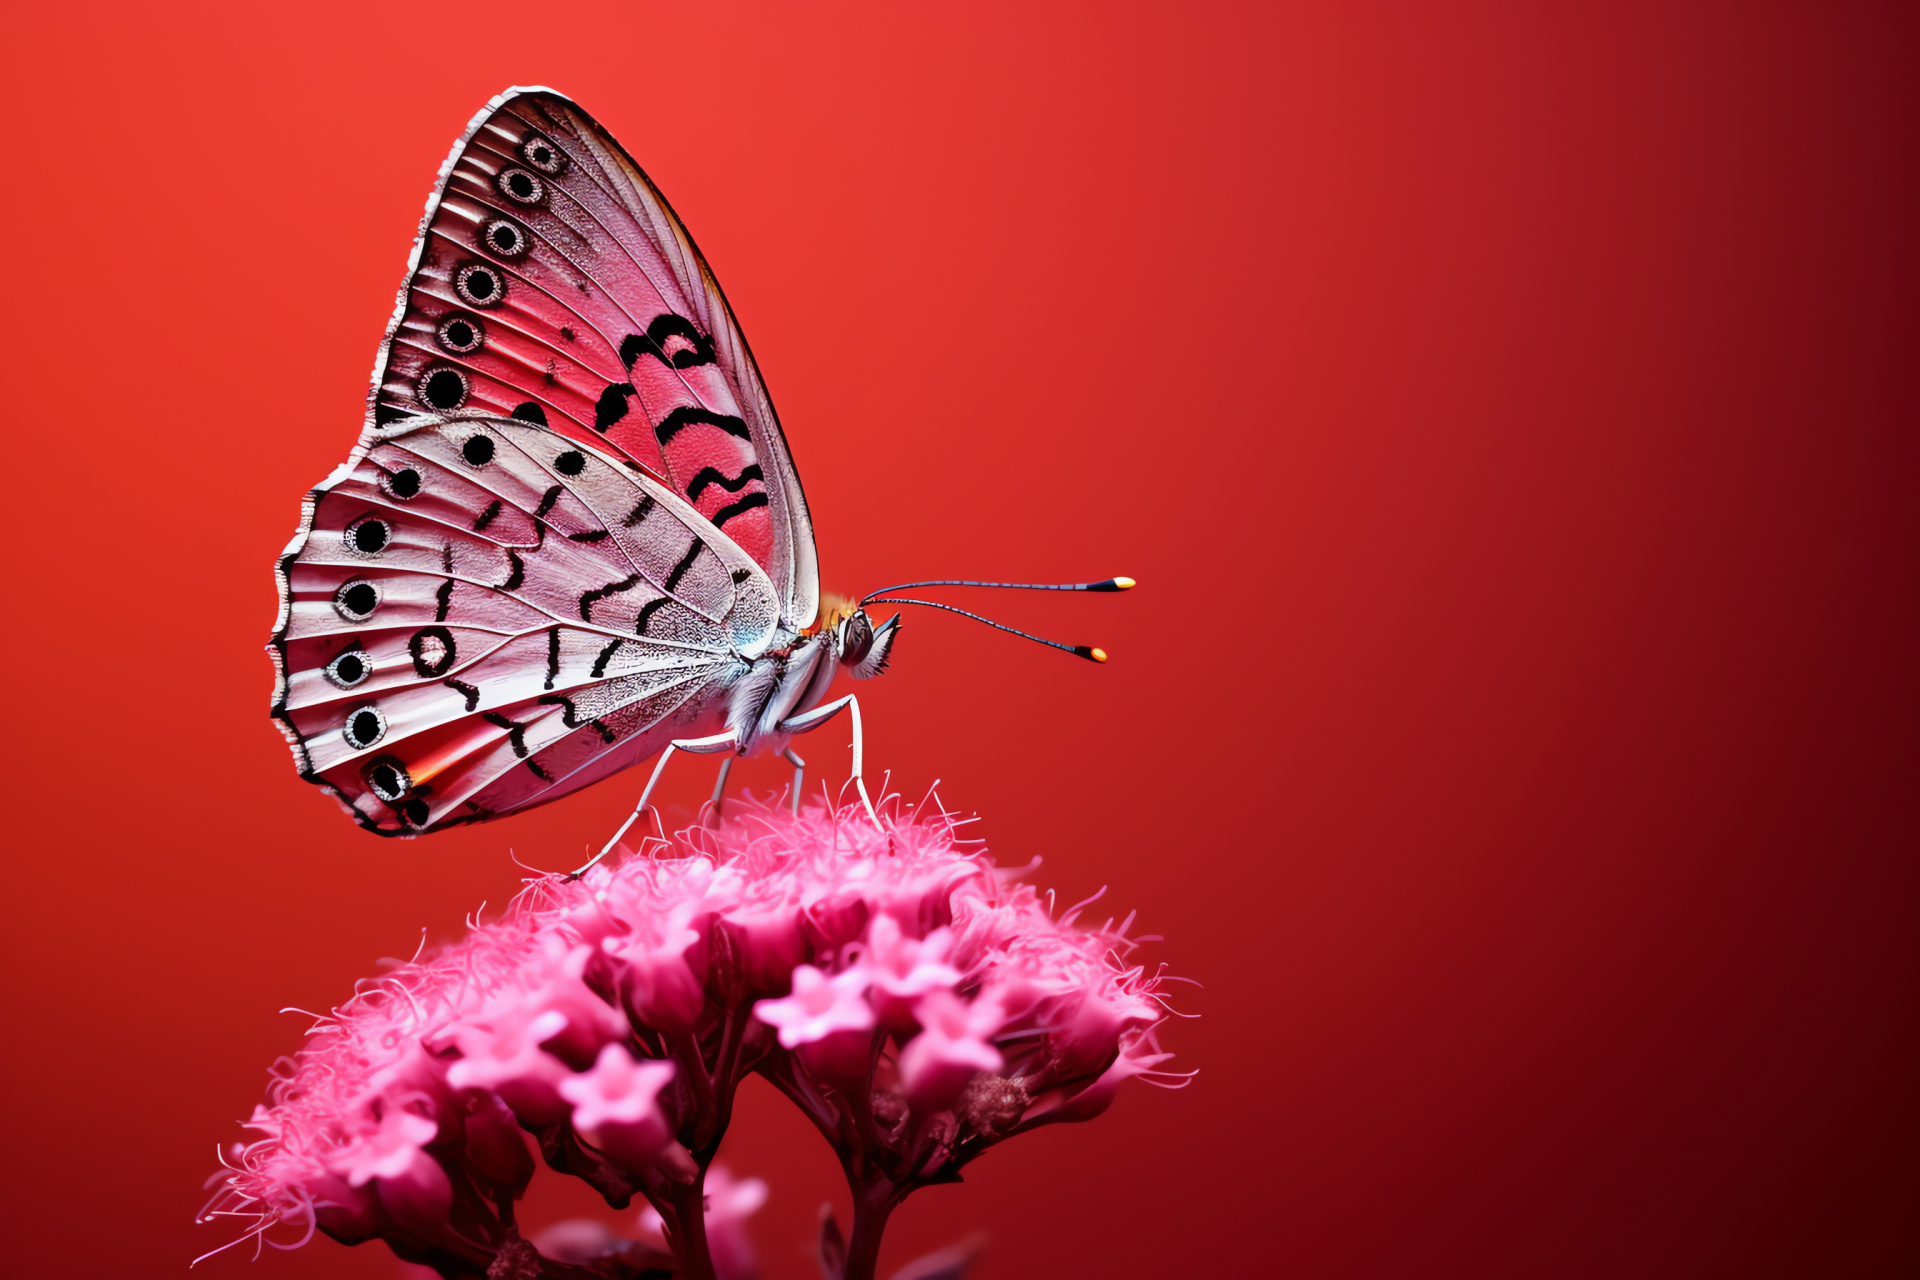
[571,536]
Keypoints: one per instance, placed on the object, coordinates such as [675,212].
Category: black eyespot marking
[348,669]
[356,601]
[432,651]
[364,727]
[543,155]
[504,238]
[570,463]
[443,389]
[518,184]
[479,284]
[402,484]
[529,412]
[460,335]
[478,450]
[388,779]
[415,812]
[368,536]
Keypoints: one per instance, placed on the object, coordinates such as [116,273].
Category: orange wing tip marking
[1090,653]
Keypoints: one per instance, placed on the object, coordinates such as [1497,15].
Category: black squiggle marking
[446,558]
[443,600]
[686,563]
[654,343]
[537,771]
[547,500]
[465,690]
[688,415]
[590,536]
[612,405]
[519,574]
[486,517]
[739,508]
[590,598]
[714,475]
[606,655]
[647,611]
[553,655]
[562,701]
[638,513]
[516,733]
[571,718]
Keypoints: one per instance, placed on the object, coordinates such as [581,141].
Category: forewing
[480,615]
[552,282]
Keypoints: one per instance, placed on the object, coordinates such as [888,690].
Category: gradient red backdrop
[1510,416]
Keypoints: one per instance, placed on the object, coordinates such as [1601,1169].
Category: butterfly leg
[799,776]
[807,722]
[720,787]
[699,746]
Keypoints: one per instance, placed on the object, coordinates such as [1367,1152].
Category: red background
[1510,417]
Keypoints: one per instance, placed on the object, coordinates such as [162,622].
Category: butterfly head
[863,647]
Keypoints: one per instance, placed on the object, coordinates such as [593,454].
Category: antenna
[1086,651]
[1105,584]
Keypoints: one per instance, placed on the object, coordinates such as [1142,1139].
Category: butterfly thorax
[779,684]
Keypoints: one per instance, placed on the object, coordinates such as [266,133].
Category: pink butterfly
[571,535]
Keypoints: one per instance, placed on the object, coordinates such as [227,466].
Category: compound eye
[504,238]
[479,284]
[460,335]
[856,638]
[521,186]
[348,669]
[543,155]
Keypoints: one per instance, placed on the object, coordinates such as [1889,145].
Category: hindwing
[479,614]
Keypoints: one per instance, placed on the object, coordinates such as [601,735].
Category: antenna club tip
[1111,584]
[1098,655]
[1125,584]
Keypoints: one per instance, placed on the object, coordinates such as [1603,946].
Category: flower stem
[690,1242]
[873,1203]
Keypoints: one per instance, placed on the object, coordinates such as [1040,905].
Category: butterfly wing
[552,282]
[480,615]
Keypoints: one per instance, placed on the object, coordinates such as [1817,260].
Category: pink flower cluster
[916,1002]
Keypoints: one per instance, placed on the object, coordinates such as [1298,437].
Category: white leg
[699,746]
[720,788]
[799,776]
[811,720]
